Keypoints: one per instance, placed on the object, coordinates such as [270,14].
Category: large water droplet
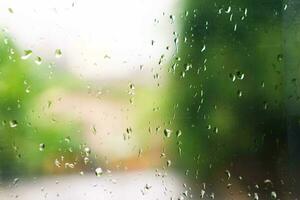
[98,171]
[13,123]
[58,53]
[167,132]
[42,147]
[26,55]
[256,196]
[273,195]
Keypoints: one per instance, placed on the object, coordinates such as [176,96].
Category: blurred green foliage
[21,84]
[229,87]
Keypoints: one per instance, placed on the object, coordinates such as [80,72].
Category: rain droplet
[246,12]
[57,163]
[148,187]
[16,180]
[202,194]
[13,123]
[169,163]
[203,48]
[131,86]
[94,130]
[58,53]
[87,151]
[86,160]
[216,130]
[167,132]
[10,10]
[68,139]
[98,171]
[70,165]
[240,75]
[42,147]
[26,55]
[256,196]
[38,60]
[279,57]
[227,172]
[235,27]
[27,90]
[232,77]
[172,18]
[273,195]
[228,9]
[239,93]
[178,133]
[267,181]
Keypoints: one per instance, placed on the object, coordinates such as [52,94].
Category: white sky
[88,30]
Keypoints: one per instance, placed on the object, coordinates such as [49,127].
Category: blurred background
[140,99]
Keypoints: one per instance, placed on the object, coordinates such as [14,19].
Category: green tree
[230,92]
[21,135]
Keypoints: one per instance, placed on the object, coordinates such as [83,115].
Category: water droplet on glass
[232,77]
[87,151]
[240,75]
[13,123]
[68,139]
[202,193]
[167,132]
[86,160]
[228,9]
[256,196]
[172,18]
[57,163]
[267,181]
[203,48]
[235,27]
[16,180]
[10,10]
[227,172]
[239,93]
[69,165]
[273,195]
[279,57]
[58,53]
[169,163]
[148,187]
[27,90]
[42,147]
[131,86]
[94,130]
[98,171]
[26,55]
[178,133]
[246,12]
[38,60]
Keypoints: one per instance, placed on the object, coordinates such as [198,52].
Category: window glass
[139,99]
